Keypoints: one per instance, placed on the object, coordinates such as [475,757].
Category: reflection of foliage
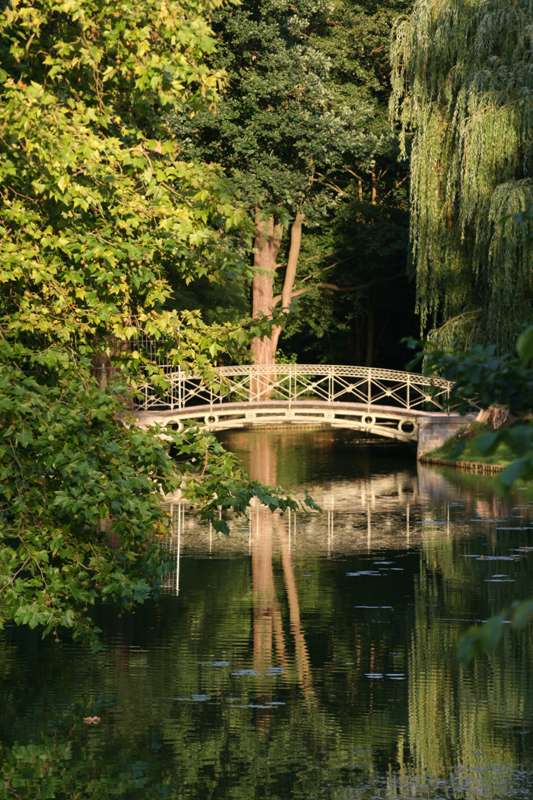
[63,763]
[505,380]
[169,706]
[451,705]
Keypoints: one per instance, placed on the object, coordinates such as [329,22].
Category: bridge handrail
[292,382]
[338,370]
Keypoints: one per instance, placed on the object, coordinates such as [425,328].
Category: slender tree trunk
[290,275]
[370,337]
[373,186]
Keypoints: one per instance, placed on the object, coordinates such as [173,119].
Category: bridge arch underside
[388,422]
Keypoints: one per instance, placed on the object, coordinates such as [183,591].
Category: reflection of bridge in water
[356,516]
[361,517]
[388,403]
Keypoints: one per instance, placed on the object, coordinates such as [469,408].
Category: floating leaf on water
[514,528]
[364,572]
[497,558]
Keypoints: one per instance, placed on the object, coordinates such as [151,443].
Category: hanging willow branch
[462,75]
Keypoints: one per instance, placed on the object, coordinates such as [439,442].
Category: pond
[305,656]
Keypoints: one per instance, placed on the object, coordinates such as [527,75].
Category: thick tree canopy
[97,205]
[98,209]
[462,75]
[302,131]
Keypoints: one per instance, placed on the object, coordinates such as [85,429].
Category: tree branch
[331,287]
[292,261]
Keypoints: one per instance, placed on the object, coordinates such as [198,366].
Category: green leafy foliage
[81,514]
[461,76]
[303,127]
[280,122]
[483,377]
[216,484]
[482,639]
[102,219]
[79,501]
[98,206]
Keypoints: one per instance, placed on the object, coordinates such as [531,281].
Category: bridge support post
[435,430]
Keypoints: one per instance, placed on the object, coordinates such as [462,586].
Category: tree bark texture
[266,249]
[268,235]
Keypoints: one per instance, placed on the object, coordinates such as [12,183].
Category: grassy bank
[461,451]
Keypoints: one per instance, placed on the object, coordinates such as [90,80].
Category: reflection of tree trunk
[268,624]
[264,591]
[263,463]
[263,468]
[300,646]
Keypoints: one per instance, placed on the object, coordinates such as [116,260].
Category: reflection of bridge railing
[370,522]
[293,383]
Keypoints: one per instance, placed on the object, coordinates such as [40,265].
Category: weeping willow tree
[462,77]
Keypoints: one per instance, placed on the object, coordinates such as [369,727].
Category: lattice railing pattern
[293,383]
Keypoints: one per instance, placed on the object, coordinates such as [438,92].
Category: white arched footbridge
[397,405]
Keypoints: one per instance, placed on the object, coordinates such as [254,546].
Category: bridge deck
[227,407]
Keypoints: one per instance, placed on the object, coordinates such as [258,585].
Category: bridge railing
[292,383]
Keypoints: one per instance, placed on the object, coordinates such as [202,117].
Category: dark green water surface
[305,656]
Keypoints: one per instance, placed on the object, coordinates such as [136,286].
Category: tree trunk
[370,337]
[494,416]
[266,250]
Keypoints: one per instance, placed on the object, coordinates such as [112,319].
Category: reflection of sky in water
[305,655]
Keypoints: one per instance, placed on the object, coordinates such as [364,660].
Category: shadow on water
[304,656]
